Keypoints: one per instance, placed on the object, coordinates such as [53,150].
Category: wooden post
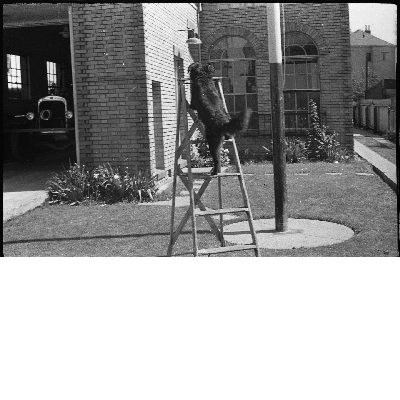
[279,144]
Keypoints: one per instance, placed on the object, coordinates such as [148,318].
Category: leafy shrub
[322,145]
[342,154]
[296,150]
[71,186]
[112,186]
[247,156]
[102,184]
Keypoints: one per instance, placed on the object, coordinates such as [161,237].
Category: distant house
[373,54]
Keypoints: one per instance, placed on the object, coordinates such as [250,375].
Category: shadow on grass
[137,235]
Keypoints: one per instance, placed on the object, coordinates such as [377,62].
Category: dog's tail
[238,124]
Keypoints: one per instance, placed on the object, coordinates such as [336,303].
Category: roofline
[373,45]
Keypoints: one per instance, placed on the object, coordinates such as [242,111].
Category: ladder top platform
[215,78]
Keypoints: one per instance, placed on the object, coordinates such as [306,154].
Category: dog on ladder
[211,111]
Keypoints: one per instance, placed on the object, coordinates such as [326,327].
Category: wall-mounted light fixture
[193,33]
[193,39]
[192,36]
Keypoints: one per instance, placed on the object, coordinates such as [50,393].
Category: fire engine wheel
[21,147]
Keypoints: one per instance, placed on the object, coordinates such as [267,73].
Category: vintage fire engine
[51,126]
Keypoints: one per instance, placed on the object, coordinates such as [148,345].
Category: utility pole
[279,144]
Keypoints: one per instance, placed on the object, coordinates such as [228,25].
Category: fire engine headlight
[30,116]
[69,114]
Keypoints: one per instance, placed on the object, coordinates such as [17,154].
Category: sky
[381,17]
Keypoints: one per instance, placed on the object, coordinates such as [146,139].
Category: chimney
[368,29]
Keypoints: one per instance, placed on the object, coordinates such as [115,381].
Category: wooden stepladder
[196,207]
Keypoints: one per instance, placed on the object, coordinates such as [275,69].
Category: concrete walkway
[18,203]
[24,185]
[383,167]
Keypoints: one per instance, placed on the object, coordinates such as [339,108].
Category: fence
[378,115]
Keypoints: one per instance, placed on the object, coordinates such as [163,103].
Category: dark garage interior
[36,64]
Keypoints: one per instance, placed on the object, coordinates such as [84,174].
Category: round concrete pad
[301,233]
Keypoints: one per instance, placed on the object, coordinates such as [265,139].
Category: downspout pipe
[71,42]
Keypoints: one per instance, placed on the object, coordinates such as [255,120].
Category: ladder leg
[221,217]
[241,180]
[171,236]
[245,198]
[190,176]
[202,207]
[176,161]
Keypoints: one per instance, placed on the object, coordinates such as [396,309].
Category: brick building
[126,59]
[316,64]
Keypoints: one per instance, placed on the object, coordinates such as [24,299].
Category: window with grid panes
[234,61]
[53,78]
[301,80]
[18,77]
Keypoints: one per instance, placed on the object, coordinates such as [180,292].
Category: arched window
[234,60]
[301,80]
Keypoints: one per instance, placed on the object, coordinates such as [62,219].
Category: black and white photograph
[141,138]
[282,144]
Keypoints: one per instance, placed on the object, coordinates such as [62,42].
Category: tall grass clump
[103,184]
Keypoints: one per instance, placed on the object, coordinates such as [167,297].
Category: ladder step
[226,249]
[203,175]
[195,141]
[220,211]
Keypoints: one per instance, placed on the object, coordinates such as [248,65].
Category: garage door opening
[38,101]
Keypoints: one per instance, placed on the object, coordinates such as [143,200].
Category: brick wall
[110,83]
[125,57]
[249,21]
[328,26]
[126,87]
[165,39]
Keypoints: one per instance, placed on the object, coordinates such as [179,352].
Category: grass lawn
[322,191]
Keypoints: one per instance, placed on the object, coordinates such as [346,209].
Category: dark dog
[211,111]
